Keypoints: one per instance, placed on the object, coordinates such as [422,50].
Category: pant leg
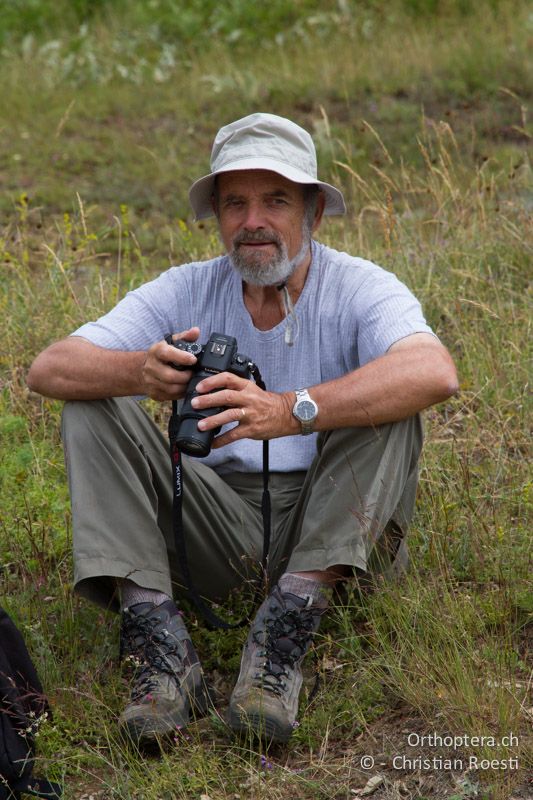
[357,500]
[121,495]
[361,484]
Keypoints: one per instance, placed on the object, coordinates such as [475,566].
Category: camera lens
[192,441]
[193,448]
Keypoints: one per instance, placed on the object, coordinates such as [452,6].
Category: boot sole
[150,730]
[254,723]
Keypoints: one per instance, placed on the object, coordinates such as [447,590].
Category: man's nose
[254,217]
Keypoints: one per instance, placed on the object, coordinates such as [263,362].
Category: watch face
[306,410]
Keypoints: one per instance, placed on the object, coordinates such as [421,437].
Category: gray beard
[274,272]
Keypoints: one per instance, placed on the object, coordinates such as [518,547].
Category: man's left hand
[260,414]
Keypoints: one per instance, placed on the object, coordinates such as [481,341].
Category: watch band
[305,410]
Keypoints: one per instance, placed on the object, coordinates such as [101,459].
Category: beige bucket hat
[263,141]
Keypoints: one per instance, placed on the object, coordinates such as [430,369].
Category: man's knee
[366,447]
[82,418]
[80,414]
[82,410]
[409,429]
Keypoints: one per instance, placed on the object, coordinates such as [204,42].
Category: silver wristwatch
[305,410]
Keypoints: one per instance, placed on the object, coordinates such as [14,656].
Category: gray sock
[306,587]
[131,593]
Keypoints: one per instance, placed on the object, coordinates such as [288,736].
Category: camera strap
[210,617]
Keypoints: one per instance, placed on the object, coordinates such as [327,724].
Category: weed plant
[420,115]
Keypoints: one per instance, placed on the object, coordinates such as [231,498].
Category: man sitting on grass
[348,361]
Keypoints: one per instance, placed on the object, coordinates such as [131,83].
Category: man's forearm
[393,387]
[413,375]
[74,369]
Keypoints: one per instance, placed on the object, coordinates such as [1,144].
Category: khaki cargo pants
[352,507]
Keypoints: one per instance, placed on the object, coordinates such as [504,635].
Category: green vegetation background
[419,109]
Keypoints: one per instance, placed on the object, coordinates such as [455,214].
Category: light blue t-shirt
[349,312]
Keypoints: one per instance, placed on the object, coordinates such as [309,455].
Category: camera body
[218,354]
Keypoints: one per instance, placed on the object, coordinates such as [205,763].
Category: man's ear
[319,213]
[214,204]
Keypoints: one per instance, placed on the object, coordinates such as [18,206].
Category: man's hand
[161,381]
[260,414]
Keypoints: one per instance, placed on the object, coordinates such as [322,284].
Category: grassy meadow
[419,110]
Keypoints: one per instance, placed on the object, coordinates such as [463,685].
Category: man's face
[263,225]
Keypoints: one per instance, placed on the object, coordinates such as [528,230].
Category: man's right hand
[161,380]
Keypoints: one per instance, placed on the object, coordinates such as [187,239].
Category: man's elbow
[449,388]
[36,377]
[44,374]
[446,379]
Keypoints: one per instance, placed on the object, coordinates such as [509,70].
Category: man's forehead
[255,180]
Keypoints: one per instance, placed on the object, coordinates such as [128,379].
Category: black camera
[218,354]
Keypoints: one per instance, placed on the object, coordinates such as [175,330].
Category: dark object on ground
[22,705]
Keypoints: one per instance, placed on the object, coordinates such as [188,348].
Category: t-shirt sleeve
[144,316]
[384,311]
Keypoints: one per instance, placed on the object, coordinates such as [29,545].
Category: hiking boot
[168,682]
[265,698]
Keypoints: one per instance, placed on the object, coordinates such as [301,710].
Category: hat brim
[201,192]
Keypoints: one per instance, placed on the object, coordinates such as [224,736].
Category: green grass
[419,111]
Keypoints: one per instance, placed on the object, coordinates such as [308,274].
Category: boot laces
[284,642]
[159,651]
